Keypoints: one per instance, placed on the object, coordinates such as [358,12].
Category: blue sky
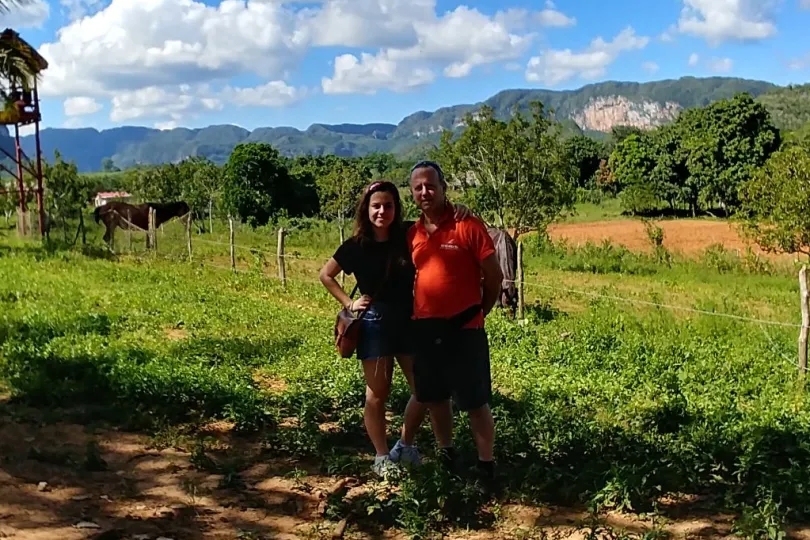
[192,63]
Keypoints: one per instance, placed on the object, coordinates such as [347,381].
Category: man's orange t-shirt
[448,271]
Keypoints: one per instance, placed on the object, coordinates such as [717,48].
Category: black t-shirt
[367,262]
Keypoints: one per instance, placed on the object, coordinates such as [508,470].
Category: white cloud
[31,15]
[721,65]
[694,59]
[166,126]
[349,23]
[804,4]
[161,103]
[557,66]
[717,21]
[800,63]
[668,35]
[134,44]
[271,94]
[447,43]
[650,67]
[555,19]
[81,106]
[370,73]
[76,9]
[127,50]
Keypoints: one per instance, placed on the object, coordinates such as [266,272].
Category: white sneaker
[405,454]
[383,466]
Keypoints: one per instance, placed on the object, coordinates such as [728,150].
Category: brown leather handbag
[347,323]
[347,330]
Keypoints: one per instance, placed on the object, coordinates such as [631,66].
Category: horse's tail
[97,214]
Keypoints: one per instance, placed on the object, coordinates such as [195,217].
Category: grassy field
[602,399]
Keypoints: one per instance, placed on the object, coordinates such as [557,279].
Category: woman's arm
[327,276]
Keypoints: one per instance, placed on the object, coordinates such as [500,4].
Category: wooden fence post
[342,239]
[188,237]
[129,230]
[233,244]
[520,280]
[282,269]
[152,232]
[803,333]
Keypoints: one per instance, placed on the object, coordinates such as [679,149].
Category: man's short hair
[426,164]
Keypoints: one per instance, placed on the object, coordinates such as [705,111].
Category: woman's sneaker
[383,466]
[405,454]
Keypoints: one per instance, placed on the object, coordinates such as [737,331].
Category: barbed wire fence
[275,254]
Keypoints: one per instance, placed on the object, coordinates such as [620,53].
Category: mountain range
[594,110]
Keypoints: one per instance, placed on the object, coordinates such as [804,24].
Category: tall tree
[255,183]
[340,188]
[632,163]
[585,154]
[516,172]
[67,194]
[776,203]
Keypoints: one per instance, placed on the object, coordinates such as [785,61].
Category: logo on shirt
[450,244]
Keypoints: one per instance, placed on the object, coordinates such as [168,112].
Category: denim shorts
[384,332]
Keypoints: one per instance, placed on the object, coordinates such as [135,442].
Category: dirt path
[686,236]
[64,481]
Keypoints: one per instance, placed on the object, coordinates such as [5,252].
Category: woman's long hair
[363,229]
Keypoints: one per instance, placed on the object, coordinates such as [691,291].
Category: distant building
[104,197]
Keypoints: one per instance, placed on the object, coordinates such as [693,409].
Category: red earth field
[685,236]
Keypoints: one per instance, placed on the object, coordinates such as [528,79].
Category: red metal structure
[22,109]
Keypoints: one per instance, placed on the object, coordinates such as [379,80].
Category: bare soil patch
[687,236]
[53,488]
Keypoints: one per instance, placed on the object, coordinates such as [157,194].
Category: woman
[377,255]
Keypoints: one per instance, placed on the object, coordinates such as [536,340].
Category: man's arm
[493,280]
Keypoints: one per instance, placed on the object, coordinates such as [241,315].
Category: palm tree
[5,5]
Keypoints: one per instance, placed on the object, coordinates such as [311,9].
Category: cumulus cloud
[81,106]
[553,18]
[442,43]
[694,59]
[717,21]
[31,15]
[127,50]
[370,73]
[800,63]
[135,44]
[721,65]
[161,102]
[554,67]
[650,67]
[76,9]
[271,94]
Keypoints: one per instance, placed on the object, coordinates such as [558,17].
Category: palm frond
[6,5]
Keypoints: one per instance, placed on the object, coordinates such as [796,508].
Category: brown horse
[116,214]
[506,251]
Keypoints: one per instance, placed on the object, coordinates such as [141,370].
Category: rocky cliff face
[602,114]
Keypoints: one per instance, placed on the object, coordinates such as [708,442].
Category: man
[449,308]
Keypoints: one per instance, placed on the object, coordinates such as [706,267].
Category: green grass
[596,400]
[586,212]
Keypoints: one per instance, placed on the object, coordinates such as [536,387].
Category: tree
[201,187]
[67,194]
[155,183]
[585,154]
[725,143]
[516,172]
[107,165]
[632,163]
[340,188]
[255,183]
[776,203]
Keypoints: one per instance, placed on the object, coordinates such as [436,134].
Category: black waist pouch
[432,334]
